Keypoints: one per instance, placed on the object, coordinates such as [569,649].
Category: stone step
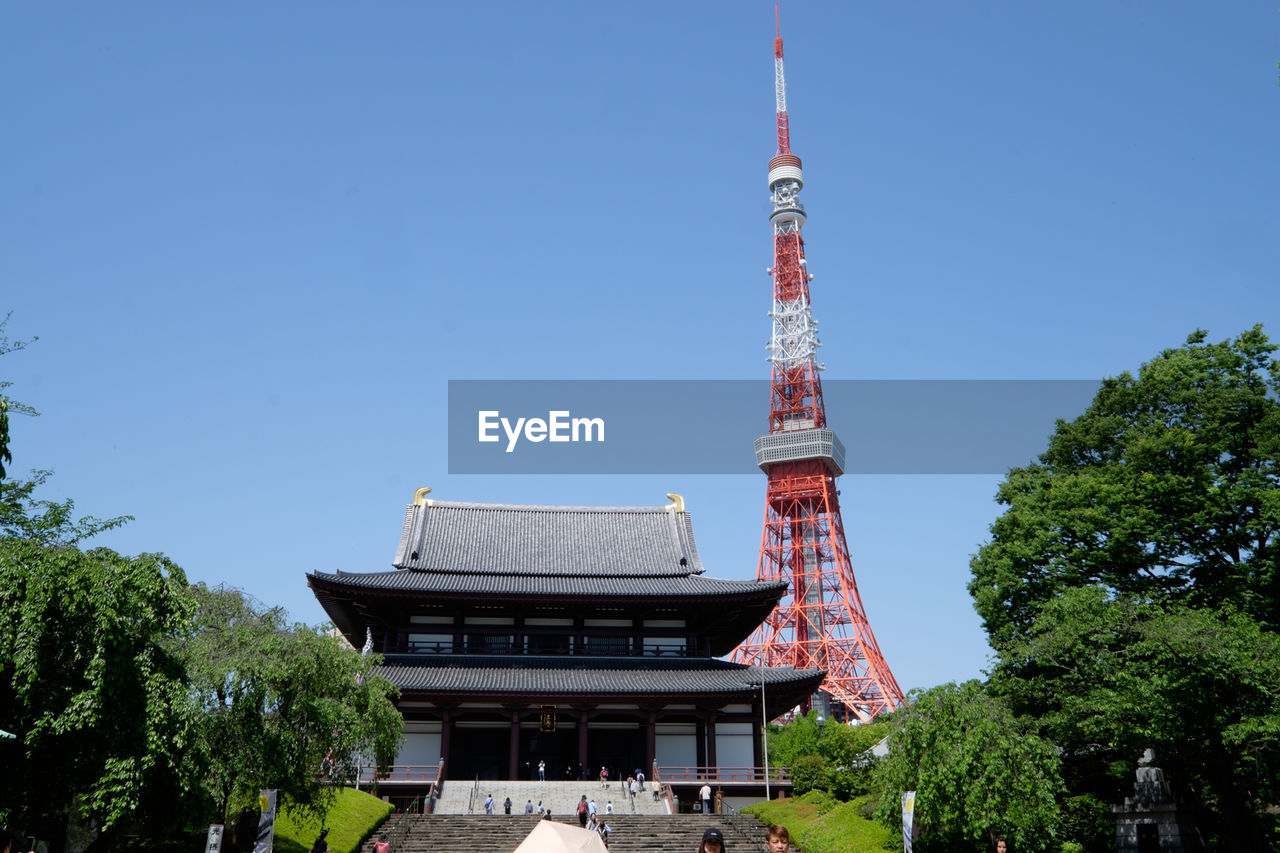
[561,798]
[631,833]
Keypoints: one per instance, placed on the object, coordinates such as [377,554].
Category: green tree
[977,770]
[1131,592]
[7,405]
[279,705]
[1166,489]
[798,737]
[87,684]
[1108,678]
[25,517]
[808,773]
[847,750]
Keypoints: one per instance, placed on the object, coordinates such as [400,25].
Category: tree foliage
[7,405]
[1131,592]
[86,682]
[25,517]
[977,770]
[1166,490]
[279,705]
[141,702]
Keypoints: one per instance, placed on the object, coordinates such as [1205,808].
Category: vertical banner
[908,819]
[267,823]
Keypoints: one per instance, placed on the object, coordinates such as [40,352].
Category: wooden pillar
[446,736]
[700,735]
[650,744]
[757,742]
[513,753]
[711,741]
[582,742]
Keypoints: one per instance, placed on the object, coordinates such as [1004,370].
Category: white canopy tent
[551,836]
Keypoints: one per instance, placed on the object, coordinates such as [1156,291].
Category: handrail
[733,816]
[400,831]
[662,789]
[433,793]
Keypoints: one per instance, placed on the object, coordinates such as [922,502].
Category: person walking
[382,845]
[704,794]
[542,771]
[506,805]
[591,808]
[582,811]
[640,778]
[488,804]
[604,776]
[633,790]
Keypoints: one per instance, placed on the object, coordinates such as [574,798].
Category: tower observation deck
[820,623]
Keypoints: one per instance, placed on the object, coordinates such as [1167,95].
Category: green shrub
[818,824]
[822,801]
[846,783]
[842,829]
[808,773]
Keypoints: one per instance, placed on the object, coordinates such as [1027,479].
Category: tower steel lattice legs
[820,623]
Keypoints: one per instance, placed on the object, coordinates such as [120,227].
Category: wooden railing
[447,647]
[674,774]
[401,773]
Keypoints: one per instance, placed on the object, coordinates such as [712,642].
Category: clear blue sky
[256,240]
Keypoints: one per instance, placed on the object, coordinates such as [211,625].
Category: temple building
[577,637]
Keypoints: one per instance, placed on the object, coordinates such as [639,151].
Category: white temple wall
[421,744]
[675,744]
[734,745]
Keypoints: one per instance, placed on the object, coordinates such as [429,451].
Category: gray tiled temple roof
[542,677]
[564,541]
[573,558]
[522,585]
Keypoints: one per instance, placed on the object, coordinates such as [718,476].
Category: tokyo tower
[820,623]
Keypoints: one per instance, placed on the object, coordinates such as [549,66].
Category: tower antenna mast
[820,622]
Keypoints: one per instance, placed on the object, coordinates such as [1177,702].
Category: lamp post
[821,720]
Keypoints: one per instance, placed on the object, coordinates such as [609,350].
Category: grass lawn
[819,824]
[352,818]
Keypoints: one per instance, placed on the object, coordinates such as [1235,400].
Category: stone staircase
[561,798]
[454,833]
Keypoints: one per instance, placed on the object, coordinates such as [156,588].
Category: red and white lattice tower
[820,623]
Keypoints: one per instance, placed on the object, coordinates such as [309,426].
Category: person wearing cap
[712,841]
